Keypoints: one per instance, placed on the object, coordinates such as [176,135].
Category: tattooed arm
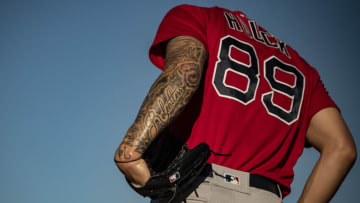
[184,64]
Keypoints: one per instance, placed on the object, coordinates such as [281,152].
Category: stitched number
[226,63]
[293,90]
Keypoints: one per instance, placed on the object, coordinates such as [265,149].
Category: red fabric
[260,141]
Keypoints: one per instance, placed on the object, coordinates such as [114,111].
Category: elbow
[352,154]
[346,152]
[350,151]
[349,155]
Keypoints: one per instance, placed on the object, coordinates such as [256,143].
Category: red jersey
[257,95]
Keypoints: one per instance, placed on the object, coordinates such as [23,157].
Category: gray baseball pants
[226,185]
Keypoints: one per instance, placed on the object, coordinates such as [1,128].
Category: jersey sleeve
[320,98]
[181,20]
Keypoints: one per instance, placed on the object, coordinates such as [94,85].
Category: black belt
[264,183]
[256,180]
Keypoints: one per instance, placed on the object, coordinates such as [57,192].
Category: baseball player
[229,83]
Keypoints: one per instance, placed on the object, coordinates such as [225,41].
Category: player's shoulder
[210,10]
[184,10]
[296,56]
[195,8]
[187,7]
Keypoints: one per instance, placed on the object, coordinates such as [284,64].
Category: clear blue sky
[74,73]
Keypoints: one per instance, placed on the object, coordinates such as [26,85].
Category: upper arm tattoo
[185,59]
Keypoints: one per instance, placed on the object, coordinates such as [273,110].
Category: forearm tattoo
[169,94]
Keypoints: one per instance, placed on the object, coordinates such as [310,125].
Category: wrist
[135,171]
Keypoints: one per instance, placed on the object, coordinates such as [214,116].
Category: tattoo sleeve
[172,90]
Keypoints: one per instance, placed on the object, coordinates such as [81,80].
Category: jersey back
[257,95]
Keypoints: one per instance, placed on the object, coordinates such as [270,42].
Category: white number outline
[234,71]
[258,81]
[283,93]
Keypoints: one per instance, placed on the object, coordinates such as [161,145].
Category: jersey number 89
[251,70]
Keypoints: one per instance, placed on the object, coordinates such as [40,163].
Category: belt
[256,180]
[264,183]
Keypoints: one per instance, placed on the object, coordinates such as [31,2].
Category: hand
[137,171]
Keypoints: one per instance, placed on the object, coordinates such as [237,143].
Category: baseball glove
[173,168]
